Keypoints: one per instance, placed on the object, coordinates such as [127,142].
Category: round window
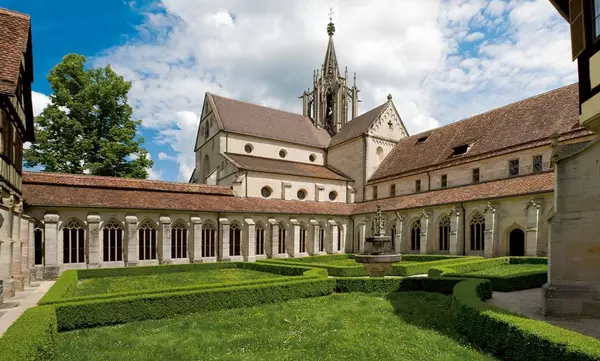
[332,195]
[282,153]
[266,191]
[301,194]
[312,157]
[248,148]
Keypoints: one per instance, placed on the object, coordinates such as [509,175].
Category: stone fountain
[379,252]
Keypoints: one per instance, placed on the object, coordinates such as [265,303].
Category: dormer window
[422,139]
[460,150]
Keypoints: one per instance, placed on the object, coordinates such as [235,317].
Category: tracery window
[415,236]
[393,235]
[281,239]
[208,240]
[179,240]
[513,167]
[477,225]
[147,235]
[235,240]
[444,236]
[112,241]
[339,244]
[302,239]
[38,237]
[74,242]
[321,239]
[260,239]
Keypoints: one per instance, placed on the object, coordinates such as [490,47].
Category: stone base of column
[225,259]
[236,258]
[19,282]
[572,301]
[1,293]
[93,265]
[206,260]
[282,255]
[131,264]
[299,255]
[50,272]
[166,262]
[250,259]
[8,288]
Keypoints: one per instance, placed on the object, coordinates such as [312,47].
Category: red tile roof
[285,167]
[524,124]
[245,118]
[14,36]
[529,184]
[357,126]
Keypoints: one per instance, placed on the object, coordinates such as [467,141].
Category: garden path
[12,308]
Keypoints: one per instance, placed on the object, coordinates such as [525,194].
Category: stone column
[51,269]
[332,240]
[132,256]
[93,221]
[249,241]
[490,234]
[197,239]
[17,275]
[342,241]
[29,253]
[224,241]
[400,241]
[426,223]
[457,231]
[292,243]
[273,244]
[532,236]
[350,194]
[362,236]
[313,244]
[165,250]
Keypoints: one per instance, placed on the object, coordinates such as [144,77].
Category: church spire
[330,65]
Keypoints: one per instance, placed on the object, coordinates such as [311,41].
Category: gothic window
[206,131]
[321,239]
[418,185]
[206,166]
[74,242]
[266,191]
[38,236]
[393,235]
[147,235]
[475,175]
[179,238]
[301,194]
[392,190]
[537,164]
[513,167]
[379,152]
[281,239]
[477,226]
[208,240]
[444,228]
[415,236]
[302,239]
[260,239]
[235,240]
[112,241]
[374,192]
[444,180]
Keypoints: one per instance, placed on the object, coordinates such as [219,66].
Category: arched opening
[235,240]
[206,167]
[516,242]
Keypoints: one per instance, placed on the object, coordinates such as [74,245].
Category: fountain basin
[377,265]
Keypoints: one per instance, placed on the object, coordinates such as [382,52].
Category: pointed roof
[14,42]
[330,64]
[259,121]
[358,126]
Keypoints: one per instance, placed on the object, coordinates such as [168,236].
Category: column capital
[164,219]
[249,221]
[314,222]
[320,187]
[294,222]
[399,216]
[94,218]
[425,214]
[223,221]
[51,218]
[489,208]
[195,220]
[456,211]
[272,221]
[332,222]
[131,219]
[537,203]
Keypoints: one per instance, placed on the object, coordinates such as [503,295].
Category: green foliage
[464,266]
[528,260]
[88,126]
[31,337]
[332,270]
[387,285]
[514,337]
[63,288]
[431,257]
[325,258]
[74,315]
[510,270]
[151,270]
[412,269]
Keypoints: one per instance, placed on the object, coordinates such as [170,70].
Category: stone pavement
[530,303]
[12,308]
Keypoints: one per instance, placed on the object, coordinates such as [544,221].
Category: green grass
[510,269]
[407,326]
[93,286]
[352,262]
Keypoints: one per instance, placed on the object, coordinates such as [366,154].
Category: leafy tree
[87,127]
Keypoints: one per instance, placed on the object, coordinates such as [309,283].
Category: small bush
[74,315]
[387,285]
[523,281]
[324,258]
[528,260]
[31,337]
[151,270]
[430,257]
[332,270]
[423,267]
[63,287]
[454,268]
[514,337]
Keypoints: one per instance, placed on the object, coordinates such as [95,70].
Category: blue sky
[442,61]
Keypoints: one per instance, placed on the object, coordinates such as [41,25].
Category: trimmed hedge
[423,267]
[522,281]
[323,258]
[75,315]
[387,285]
[513,337]
[467,266]
[151,270]
[332,270]
[528,260]
[430,257]
[31,337]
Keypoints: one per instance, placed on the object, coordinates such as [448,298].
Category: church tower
[327,104]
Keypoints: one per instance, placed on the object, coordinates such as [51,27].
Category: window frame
[476,173]
[510,162]
[444,181]
[393,190]
[374,192]
[533,163]
[417,185]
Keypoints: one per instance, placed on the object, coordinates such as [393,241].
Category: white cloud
[265,53]
[39,101]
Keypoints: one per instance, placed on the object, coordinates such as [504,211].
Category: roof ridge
[258,105]
[15,13]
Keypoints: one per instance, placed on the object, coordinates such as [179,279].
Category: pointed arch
[38,242]
[209,239]
[112,240]
[179,239]
[321,237]
[74,232]
[415,235]
[477,231]
[443,232]
[147,240]
[235,239]
[515,240]
[259,242]
[303,236]
[205,167]
[282,238]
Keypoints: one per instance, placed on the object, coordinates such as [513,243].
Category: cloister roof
[14,37]
[63,190]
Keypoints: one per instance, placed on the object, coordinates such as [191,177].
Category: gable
[207,119]
[388,125]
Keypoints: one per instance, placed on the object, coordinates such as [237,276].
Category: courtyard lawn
[405,326]
[207,277]
[510,270]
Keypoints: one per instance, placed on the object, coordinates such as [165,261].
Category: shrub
[509,283]
[151,270]
[74,315]
[62,288]
[461,268]
[444,285]
[430,257]
[324,258]
[332,270]
[31,337]
[387,285]
[528,260]
[421,268]
[514,337]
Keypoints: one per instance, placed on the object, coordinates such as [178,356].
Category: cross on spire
[330,26]
[330,14]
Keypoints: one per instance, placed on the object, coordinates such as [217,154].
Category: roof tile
[14,36]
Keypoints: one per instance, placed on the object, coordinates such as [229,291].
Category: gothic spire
[330,65]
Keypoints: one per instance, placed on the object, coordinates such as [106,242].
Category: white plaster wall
[266,148]
[349,159]
[256,181]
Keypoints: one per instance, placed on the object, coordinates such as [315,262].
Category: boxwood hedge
[31,337]
[513,337]
[387,285]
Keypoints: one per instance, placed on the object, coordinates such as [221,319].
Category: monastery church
[273,184]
